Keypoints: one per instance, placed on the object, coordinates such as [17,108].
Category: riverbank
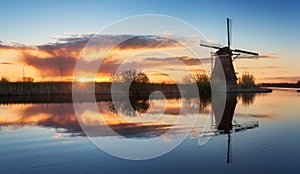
[68,88]
[254,89]
[281,85]
[104,88]
[61,92]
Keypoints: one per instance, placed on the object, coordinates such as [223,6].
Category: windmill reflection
[224,117]
[224,120]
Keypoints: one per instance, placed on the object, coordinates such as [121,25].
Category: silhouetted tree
[203,83]
[201,80]
[188,79]
[141,78]
[4,79]
[138,81]
[140,84]
[124,77]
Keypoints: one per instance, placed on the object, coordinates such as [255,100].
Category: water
[46,138]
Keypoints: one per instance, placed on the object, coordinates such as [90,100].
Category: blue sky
[263,26]
[34,21]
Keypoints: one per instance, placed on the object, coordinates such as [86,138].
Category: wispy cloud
[6,63]
[262,56]
[259,67]
[291,79]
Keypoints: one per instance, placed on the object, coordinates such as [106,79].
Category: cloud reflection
[130,123]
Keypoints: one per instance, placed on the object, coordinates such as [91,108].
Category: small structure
[27,79]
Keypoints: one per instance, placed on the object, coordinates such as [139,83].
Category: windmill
[224,55]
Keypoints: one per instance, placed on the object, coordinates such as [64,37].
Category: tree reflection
[141,105]
[135,106]
[247,98]
[197,104]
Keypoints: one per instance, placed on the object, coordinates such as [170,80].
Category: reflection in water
[61,116]
[134,107]
[58,116]
[129,119]
[224,118]
[140,105]
[247,98]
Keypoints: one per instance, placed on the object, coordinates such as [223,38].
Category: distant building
[27,79]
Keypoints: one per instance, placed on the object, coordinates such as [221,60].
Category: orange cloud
[48,59]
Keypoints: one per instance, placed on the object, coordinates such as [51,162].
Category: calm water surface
[262,136]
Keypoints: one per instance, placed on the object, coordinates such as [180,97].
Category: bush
[247,80]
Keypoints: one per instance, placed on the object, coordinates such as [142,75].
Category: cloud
[160,74]
[205,60]
[50,66]
[166,63]
[262,56]
[64,52]
[187,60]
[6,63]
[292,79]
[268,56]
[259,67]
[148,41]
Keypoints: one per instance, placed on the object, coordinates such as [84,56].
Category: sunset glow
[48,55]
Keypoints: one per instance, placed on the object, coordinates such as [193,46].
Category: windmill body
[224,66]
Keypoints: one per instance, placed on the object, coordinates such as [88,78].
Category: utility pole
[61,73]
[212,63]
[23,78]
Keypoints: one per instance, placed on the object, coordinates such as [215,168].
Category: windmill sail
[229,26]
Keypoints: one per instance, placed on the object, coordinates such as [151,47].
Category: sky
[38,37]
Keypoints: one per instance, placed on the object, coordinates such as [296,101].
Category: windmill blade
[229,32]
[245,52]
[205,43]
[209,46]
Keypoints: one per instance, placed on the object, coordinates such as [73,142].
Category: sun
[84,79]
[92,79]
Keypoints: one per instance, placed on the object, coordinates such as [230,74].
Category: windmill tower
[224,63]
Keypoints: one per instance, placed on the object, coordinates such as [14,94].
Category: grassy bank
[65,88]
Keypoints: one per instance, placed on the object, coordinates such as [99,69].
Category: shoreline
[61,92]
[250,90]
